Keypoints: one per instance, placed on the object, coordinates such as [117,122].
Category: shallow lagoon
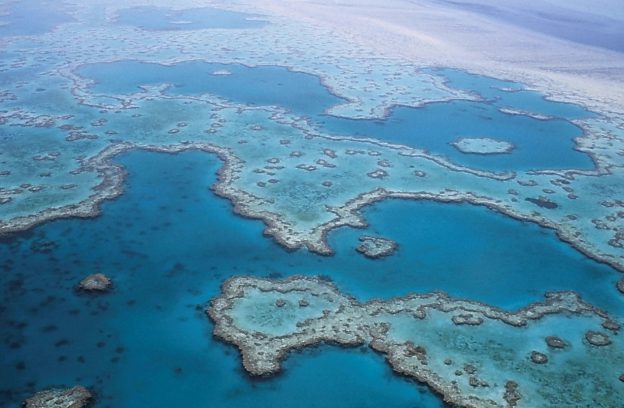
[539,144]
[265,85]
[168,243]
[509,94]
[160,18]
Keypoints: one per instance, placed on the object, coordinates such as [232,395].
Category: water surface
[166,19]
[539,144]
[31,17]
[560,22]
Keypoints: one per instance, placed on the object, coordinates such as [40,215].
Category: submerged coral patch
[376,247]
[482,145]
[76,397]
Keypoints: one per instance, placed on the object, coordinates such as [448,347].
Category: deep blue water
[474,253]
[540,144]
[168,243]
[32,17]
[160,18]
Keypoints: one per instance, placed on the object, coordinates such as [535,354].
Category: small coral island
[472,354]
[376,247]
[482,145]
[75,397]
[97,282]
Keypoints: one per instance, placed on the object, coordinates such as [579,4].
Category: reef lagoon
[233,206]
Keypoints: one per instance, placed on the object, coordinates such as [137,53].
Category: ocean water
[503,93]
[258,86]
[539,144]
[560,22]
[474,253]
[168,243]
[31,17]
[165,19]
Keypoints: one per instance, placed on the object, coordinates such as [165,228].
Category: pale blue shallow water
[265,85]
[503,93]
[160,18]
[168,243]
[540,144]
[568,24]
[32,17]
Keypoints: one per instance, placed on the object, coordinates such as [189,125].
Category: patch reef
[75,397]
[376,247]
[472,354]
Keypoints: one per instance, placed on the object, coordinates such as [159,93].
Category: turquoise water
[474,253]
[31,17]
[264,85]
[10,76]
[168,243]
[539,144]
[160,18]
[502,94]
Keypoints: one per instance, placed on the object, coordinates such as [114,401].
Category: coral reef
[376,247]
[75,397]
[470,353]
[97,282]
[482,145]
